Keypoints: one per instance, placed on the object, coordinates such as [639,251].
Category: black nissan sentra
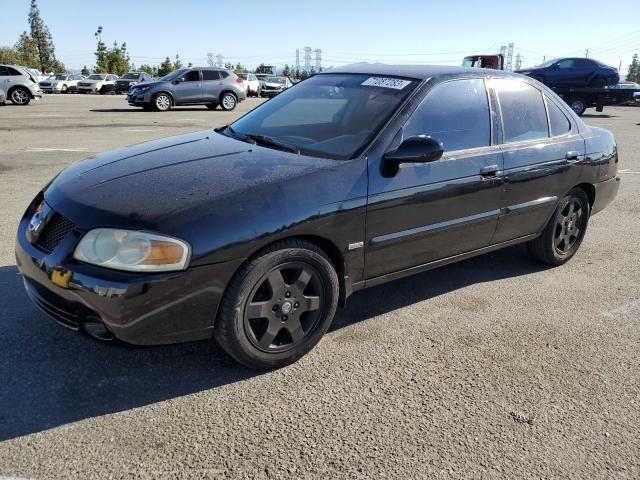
[254,233]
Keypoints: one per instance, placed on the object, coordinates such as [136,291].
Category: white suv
[251,83]
[18,85]
[61,83]
[98,83]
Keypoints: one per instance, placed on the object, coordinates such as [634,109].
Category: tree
[114,60]
[165,67]
[153,71]
[239,68]
[101,52]
[177,64]
[262,68]
[9,55]
[43,41]
[27,50]
[85,71]
[634,70]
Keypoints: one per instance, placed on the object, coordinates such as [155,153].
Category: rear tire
[565,231]
[103,90]
[64,89]
[228,101]
[578,105]
[598,82]
[278,305]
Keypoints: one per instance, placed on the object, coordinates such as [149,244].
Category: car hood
[171,185]
[92,81]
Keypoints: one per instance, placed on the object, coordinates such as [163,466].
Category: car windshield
[243,76]
[548,63]
[97,77]
[131,76]
[329,115]
[58,77]
[170,76]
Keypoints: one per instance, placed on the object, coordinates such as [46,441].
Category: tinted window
[583,63]
[559,122]
[3,71]
[456,113]
[192,76]
[210,75]
[224,74]
[565,63]
[523,113]
[13,71]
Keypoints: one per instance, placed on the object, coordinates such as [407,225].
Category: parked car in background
[190,86]
[129,80]
[37,74]
[573,72]
[635,100]
[19,84]
[254,233]
[273,85]
[252,84]
[98,83]
[61,83]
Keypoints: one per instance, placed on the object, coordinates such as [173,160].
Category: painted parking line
[43,115]
[144,130]
[38,149]
[623,309]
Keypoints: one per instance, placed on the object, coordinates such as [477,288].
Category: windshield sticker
[384,82]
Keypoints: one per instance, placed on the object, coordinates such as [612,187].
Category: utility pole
[210,61]
[586,53]
[510,57]
[518,61]
[307,59]
[620,65]
[318,59]
[220,59]
[297,59]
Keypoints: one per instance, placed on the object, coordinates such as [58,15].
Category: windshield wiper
[273,143]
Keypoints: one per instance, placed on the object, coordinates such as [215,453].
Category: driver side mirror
[179,80]
[416,149]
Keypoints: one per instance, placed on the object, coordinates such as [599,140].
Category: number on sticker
[386,82]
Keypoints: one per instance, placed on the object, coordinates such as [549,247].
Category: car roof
[421,72]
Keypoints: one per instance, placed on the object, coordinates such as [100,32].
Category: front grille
[54,231]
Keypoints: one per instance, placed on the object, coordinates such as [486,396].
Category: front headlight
[143,89]
[132,251]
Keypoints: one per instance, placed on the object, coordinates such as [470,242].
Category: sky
[399,31]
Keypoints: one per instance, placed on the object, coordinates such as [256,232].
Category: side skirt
[372,282]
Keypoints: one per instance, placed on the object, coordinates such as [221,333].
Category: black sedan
[254,233]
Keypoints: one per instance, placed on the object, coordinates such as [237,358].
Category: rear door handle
[490,171]
[573,155]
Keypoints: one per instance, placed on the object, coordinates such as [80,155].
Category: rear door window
[3,71]
[523,114]
[558,121]
[210,75]
[565,63]
[456,113]
[192,76]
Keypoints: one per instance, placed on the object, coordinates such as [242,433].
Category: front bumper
[270,93]
[142,309]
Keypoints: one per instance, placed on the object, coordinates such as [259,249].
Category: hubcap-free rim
[229,101]
[163,102]
[569,226]
[19,96]
[577,106]
[284,307]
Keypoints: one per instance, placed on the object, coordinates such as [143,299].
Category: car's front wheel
[65,89]
[228,101]
[20,96]
[278,305]
[162,102]
[578,105]
[563,234]
[599,82]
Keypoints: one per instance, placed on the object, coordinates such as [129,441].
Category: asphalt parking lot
[495,367]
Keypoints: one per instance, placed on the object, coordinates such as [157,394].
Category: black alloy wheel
[284,307]
[278,305]
[563,234]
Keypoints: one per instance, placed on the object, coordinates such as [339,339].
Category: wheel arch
[16,87]
[590,190]
[227,90]
[166,92]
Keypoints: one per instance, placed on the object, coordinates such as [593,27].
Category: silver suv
[190,86]
[18,85]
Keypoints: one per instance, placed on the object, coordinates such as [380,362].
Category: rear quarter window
[559,122]
[523,113]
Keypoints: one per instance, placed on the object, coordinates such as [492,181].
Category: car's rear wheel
[228,101]
[278,305]
[162,102]
[563,234]
[64,89]
[578,105]
[20,96]
[538,78]
[599,82]
[103,90]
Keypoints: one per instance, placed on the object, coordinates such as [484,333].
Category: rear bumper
[140,309]
[605,193]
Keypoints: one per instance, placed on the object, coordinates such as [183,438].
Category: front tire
[599,82]
[278,305]
[162,102]
[20,96]
[228,101]
[64,89]
[565,231]
[578,105]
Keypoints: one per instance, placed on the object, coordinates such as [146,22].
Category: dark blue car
[574,72]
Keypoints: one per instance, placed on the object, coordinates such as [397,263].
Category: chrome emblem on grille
[38,221]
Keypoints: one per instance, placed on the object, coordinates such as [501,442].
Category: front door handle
[490,171]
[573,155]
